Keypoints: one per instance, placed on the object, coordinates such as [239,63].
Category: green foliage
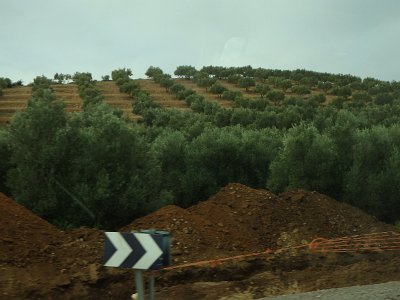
[338,102]
[122,75]
[153,72]
[300,90]
[275,81]
[170,149]
[325,86]
[231,95]
[5,82]
[348,149]
[383,98]
[1,92]
[82,78]
[5,159]
[261,89]
[319,98]
[193,98]
[130,87]
[105,78]
[112,171]
[380,87]
[176,88]
[99,158]
[215,71]
[308,81]
[181,95]
[242,116]
[143,102]
[255,104]
[246,71]
[307,160]
[362,97]
[218,89]
[61,78]
[234,78]
[246,82]
[36,147]
[203,80]
[284,84]
[196,103]
[343,91]
[166,81]
[17,83]
[261,74]
[186,72]
[220,156]
[40,83]
[276,96]
[87,89]
[373,179]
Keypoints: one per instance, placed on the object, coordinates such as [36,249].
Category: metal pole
[139,284]
[151,286]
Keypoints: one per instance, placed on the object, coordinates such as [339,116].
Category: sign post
[139,284]
[144,250]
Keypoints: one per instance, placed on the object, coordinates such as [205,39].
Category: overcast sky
[359,37]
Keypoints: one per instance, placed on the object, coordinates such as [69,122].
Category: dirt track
[38,261]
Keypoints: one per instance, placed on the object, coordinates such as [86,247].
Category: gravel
[383,291]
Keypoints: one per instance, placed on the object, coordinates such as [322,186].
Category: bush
[217,88]
[5,82]
[383,98]
[276,96]
[300,90]
[181,95]
[122,75]
[231,95]
[176,88]
[246,82]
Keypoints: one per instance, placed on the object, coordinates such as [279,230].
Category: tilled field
[38,261]
[16,99]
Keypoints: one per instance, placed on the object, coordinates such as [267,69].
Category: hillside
[263,128]
[15,99]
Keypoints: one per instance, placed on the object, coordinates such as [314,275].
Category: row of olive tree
[88,168]
[96,168]
[318,148]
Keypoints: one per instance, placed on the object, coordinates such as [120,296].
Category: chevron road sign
[136,250]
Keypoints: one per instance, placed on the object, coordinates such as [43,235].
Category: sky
[44,37]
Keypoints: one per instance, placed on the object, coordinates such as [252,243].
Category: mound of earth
[39,261]
[239,219]
[24,236]
[305,215]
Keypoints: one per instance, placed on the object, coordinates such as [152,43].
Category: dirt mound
[228,223]
[194,237]
[39,261]
[24,237]
[239,219]
[306,215]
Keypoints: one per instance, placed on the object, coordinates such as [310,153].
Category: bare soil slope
[13,100]
[38,261]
